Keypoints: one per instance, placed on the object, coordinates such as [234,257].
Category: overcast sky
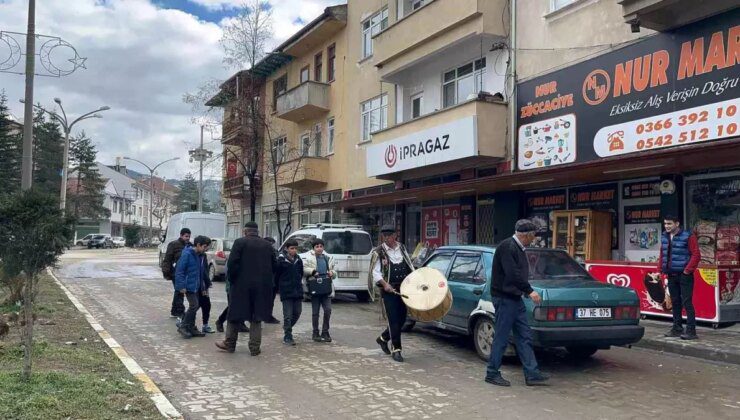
[142,55]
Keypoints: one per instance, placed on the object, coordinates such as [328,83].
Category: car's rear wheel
[79,243]
[363,296]
[582,352]
[483,337]
[408,325]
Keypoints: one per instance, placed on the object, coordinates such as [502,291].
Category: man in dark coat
[509,285]
[171,257]
[288,276]
[251,267]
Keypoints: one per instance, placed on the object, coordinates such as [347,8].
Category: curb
[690,350]
[164,405]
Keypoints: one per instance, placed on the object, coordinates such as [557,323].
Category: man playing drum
[391,264]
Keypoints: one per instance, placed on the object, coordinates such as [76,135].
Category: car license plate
[593,312]
[349,274]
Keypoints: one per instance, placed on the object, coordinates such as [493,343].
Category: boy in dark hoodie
[191,279]
[288,280]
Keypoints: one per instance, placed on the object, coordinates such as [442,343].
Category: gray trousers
[255,335]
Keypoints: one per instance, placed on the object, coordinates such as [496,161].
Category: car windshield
[98,237]
[348,243]
[304,242]
[227,244]
[551,265]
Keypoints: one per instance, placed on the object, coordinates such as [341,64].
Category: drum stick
[399,294]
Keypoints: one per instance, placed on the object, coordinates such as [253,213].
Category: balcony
[434,26]
[309,100]
[304,173]
[662,15]
[234,187]
[467,135]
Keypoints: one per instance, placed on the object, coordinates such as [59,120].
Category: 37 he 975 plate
[593,312]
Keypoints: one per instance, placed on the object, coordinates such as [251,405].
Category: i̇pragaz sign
[443,143]
[671,89]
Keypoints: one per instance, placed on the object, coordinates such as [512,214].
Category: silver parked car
[118,242]
[86,240]
[217,255]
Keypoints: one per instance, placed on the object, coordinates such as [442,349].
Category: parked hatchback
[118,241]
[218,254]
[577,312]
[86,240]
[100,241]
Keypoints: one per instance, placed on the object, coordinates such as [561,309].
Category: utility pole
[200,155]
[151,186]
[27,163]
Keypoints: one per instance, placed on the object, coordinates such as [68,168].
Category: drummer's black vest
[398,272]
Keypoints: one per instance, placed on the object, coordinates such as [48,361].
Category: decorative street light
[151,186]
[67,127]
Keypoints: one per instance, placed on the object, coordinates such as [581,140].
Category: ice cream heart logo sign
[618,280]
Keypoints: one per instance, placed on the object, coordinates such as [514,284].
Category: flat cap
[251,225]
[525,226]
[388,229]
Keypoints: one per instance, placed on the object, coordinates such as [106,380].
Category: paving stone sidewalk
[720,345]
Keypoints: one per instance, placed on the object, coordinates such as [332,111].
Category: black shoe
[326,337]
[316,337]
[244,328]
[288,340]
[272,320]
[673,333]
[397,356]
[537,380]
[185,333]
[498,380]
[689,335]
[219,326]
[196,332]
[255,352]
[383,345]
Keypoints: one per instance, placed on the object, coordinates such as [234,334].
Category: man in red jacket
[679,257]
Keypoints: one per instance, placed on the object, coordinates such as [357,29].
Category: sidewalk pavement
[719,345]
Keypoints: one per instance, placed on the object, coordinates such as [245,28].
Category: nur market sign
[443,143]
[672,89]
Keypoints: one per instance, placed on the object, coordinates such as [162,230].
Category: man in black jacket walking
[509,285]
[171,257]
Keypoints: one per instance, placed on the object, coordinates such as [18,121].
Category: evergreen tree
[187,197]
[48,149]
[11,151]
[85,193]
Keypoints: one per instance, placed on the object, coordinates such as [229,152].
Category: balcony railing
[308,100]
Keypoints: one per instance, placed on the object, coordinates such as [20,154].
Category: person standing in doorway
[319,271]
[288,278]
[251,270]
[679,257]
[171,257]
[190,278]
[510,285]
[391,264]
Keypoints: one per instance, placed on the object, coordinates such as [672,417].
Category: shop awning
[686,159]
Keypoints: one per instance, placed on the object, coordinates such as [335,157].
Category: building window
[317,140]
[305,144]
[330,136]
[372,27]
[415,4]
[305,74]
[317,67]
[279,149]
[559,4]
[463,81]
[331,54]
[279,87]
[416,105]
[374,115]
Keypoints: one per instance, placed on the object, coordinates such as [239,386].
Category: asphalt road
[351,378]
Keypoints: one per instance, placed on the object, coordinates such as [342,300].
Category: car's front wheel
[582,352]
[483,337]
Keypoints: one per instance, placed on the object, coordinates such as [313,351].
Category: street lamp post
[67,127]
[151,186]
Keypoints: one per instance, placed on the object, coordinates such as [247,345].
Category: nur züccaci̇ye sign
[674,88]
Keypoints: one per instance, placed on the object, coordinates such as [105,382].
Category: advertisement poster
[643,189]
[548,143]
[729,286]
[431,226]
[642,230]
[539,208]
[653,293]
[597,197]
[675,88]
[451,229]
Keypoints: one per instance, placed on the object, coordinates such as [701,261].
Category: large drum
[426,294]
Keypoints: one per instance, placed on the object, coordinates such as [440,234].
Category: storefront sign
[640,189]
[539,207]
[675,88]
[451,141]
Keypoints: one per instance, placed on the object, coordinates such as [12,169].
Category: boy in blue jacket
[191,279]
[288,280]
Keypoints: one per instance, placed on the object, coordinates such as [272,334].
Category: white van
[351,248]
[212,225]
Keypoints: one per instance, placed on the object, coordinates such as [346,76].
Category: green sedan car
[577,312]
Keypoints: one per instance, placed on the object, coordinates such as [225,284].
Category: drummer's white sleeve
[377,274]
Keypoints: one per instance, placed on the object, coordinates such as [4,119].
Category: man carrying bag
[319,271]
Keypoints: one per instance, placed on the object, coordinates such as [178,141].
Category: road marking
[164,405]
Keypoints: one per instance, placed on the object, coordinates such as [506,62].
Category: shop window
[713,214]
[459,83]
